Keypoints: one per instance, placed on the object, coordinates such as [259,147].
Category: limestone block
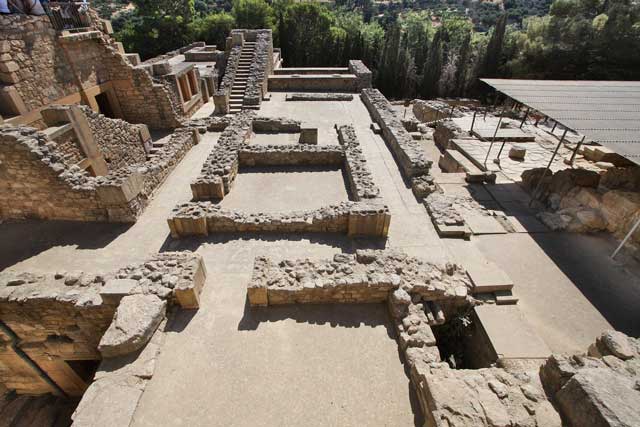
[600,398]
[187,292]
[9,67]
[309,136]
[257,294]
[124,192]
[116,289]
[10,78]
[517,152]
[137,318]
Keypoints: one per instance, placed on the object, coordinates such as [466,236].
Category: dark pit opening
[85,369]
[462,342]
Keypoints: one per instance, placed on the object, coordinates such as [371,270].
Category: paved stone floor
[277,189]
[321,365]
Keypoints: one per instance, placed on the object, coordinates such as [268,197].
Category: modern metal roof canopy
[607,112]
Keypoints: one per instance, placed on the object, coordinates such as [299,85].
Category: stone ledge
[368,276]
[352,218]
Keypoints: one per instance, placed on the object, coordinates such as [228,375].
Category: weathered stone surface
[600,397]
[489,397]
[135,321]
[517,152]
[370,276]
[599,390]
[319,97]
[409,153]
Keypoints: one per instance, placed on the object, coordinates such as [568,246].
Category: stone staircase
[242,75]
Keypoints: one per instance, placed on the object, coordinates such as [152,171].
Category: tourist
[26,7]
[4,8]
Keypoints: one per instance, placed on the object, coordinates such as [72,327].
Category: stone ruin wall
[45,67]
[32,61]
[586,201]
[408,153]
[366,215]
[419,295]
[261,67]
[35,180]
[69,148]
[599,388]
[118,140]
[48,321]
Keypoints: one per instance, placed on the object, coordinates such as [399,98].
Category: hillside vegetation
[411,52]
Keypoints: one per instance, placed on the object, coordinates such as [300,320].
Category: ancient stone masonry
[275,124]
[366,277]
[49,322]
[221,97]
[419,295]
[291,155]
[36,182]
[221,167]
[585,201]
[360,178]
[433,110]
[119,141]
[319,97]
[601,388]
[408,152]
[363,74]
[353,218]
[44,67]
[260,68]
[23,59]
[485,397]
[366,215]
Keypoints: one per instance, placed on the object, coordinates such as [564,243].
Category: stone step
[509,334]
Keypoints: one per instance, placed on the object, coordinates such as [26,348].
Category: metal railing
[68,15]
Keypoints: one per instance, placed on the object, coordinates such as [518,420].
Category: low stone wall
[366,216]
[362,73]
[319,97]
[360,177]
[222,95]
[291,155]
[36,183]
[275,124]
[49,321]
[419,295]
[366,277]
[409,153]
[480,398]
[221,167]
[260,68]
[316,83]
[353,218]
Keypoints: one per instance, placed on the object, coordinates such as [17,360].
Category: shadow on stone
[25,239]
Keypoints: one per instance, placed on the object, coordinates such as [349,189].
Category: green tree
[252,14]
[213,28]
[432,69]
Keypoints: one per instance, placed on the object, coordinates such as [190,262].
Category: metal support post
[494,135]
[573,156]
[535,192]
[524,119]
[473,121]
[626,238]
[554,126]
